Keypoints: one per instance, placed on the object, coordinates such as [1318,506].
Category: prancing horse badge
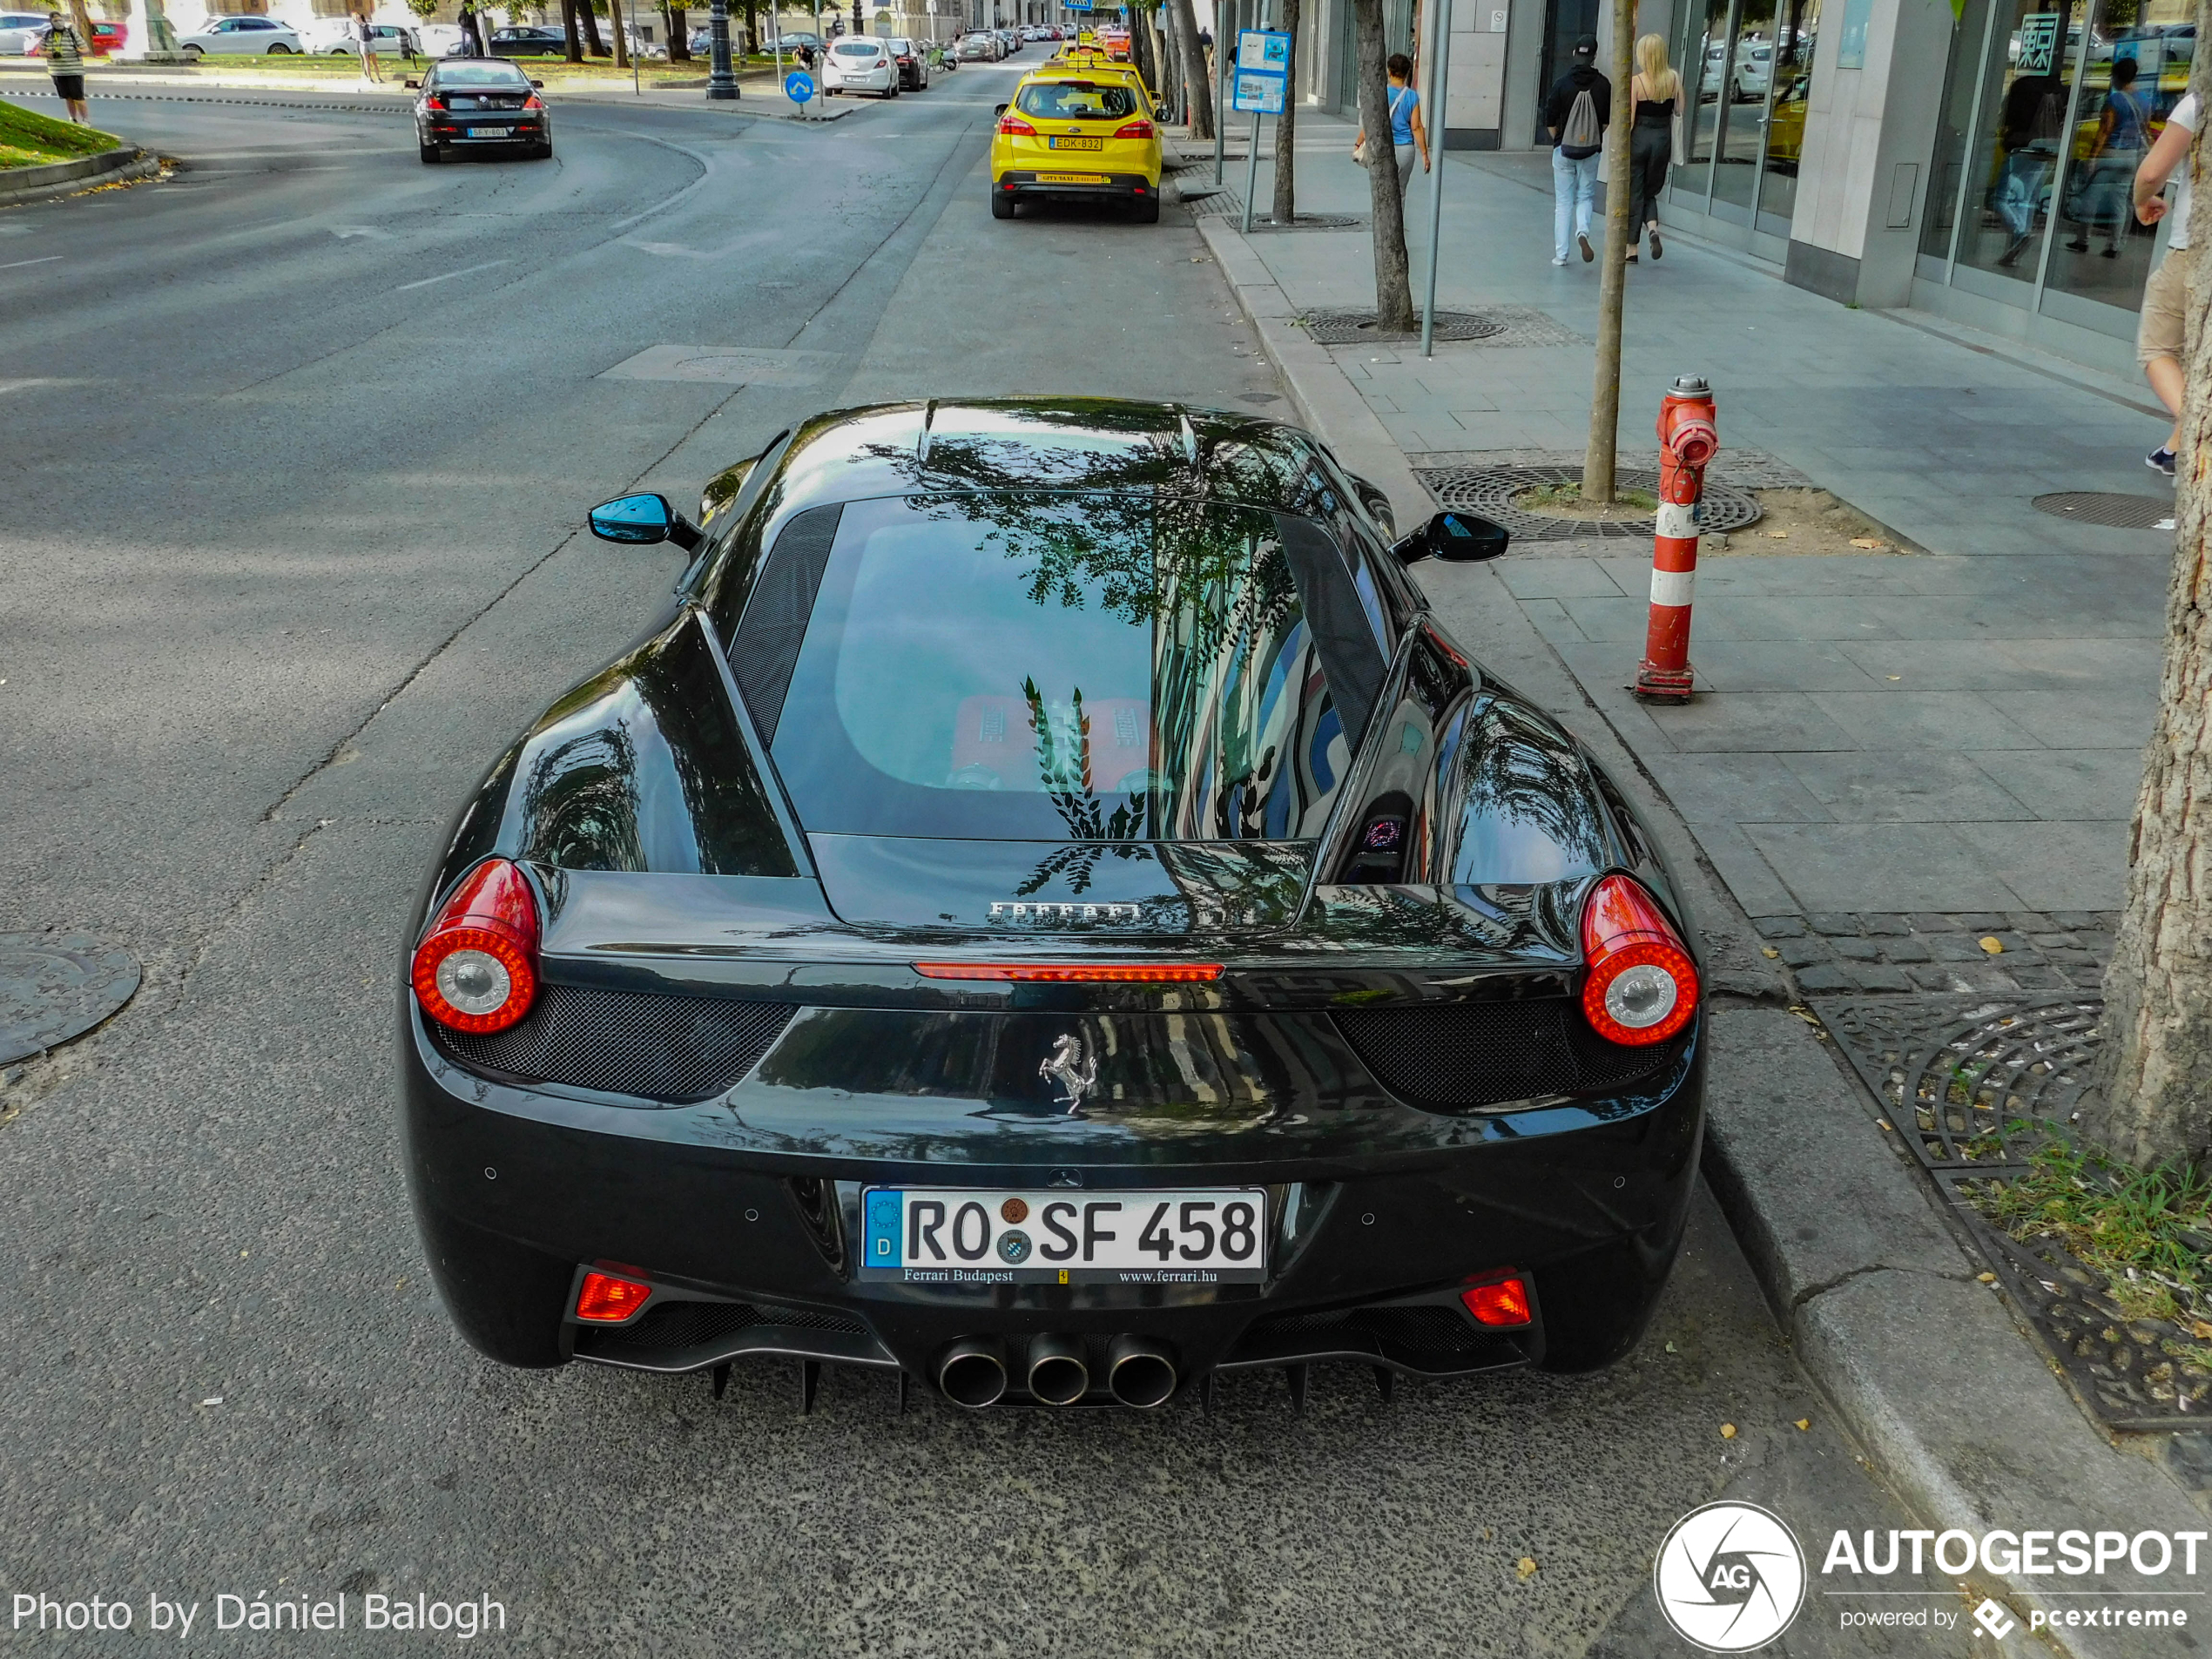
[1075,1074]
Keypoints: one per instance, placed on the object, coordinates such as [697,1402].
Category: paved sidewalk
[1955,731]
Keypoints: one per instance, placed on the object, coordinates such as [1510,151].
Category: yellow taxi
[1081,133]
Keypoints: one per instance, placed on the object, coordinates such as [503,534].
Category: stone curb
[1953,1408]
[64,178]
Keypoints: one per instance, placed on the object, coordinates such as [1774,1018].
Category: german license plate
[1077,144]
[956,1236]
[491,132]
[1072,178]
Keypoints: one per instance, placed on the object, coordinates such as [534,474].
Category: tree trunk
[1605,395]
[589,18]
[1185,24]
[2156,1099]
[679,34]
[616,18]
[568,28]
[1140,52]
[1286,125]
[1393,282]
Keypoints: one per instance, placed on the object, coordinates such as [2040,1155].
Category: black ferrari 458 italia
[1047,913]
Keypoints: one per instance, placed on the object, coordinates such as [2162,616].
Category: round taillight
[1643,985]
[476,967]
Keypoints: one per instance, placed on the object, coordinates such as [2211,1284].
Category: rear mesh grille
[1477,1054]
[696,1324]
[675,1048]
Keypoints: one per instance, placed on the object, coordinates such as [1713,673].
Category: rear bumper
[1116,187]
[747,1237]
[458,131]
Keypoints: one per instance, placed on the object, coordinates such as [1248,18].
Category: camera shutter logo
[1729,1577]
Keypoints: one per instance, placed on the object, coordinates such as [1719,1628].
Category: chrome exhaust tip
[1057,1373]
[973,1373]
[1139,1372]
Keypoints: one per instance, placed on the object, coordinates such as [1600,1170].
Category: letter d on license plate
[960,1236]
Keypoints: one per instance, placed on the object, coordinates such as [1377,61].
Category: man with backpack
[1576,113]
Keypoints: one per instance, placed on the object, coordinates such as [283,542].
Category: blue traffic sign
[799,86]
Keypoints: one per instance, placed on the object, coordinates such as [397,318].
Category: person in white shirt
[2158,336]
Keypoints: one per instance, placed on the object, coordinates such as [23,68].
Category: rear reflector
[1504,1302]
[1074,973]
[609,1299]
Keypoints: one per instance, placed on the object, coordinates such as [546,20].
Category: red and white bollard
[1687,440]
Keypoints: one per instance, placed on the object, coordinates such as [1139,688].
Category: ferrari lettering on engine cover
[1028,910]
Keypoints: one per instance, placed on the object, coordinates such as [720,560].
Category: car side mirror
[1000,110]
[1454,536]
[641,521]
[539,84]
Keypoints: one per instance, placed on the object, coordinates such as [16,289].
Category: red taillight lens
[1075,974]
[1013,126]
[1504,1302]
[476,968]
[1134,130]
[1642,986]
[609,1299]
[533,102]
[434,102]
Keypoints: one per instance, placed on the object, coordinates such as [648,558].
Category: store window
[1701,62]
[1799,27]
[1954,127]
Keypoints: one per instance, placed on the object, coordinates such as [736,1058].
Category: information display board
[1262,71]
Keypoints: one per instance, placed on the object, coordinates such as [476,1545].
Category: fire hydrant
[1687,441]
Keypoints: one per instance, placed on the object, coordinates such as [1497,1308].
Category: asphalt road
[294,450]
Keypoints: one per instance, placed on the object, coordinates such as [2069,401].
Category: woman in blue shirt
[1407,132]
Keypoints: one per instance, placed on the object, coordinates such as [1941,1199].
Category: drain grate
[1490,491]
[1361,328]
[2118,512]
[54,987]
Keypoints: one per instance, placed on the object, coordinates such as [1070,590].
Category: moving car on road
[1070,135]
[475,103]
[860,64]
[106,37]
[1047,913]
[912,62]
[239,37]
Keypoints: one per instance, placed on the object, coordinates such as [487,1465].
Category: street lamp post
[721,80]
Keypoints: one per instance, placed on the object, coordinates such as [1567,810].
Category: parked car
[793,39]
[106,37]
[472,103]
[17,29]
[979,48]
[437,39]
[239,37]
[333,37]
[528,40]
[914,62]
[860,64]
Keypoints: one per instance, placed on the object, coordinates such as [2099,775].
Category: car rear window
[856,49]
[481,75]
[1078,667]
[1076,101]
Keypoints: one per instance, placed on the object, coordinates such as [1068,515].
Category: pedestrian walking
[2166,299]
[1576,113]
[1407,136]
[1655,91]
[65,52]
[2101,202]
[365,33]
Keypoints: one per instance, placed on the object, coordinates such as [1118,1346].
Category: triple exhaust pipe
[974,1372]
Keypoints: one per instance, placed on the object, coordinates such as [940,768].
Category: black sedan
[529,40]
[471,103]
[1048,913]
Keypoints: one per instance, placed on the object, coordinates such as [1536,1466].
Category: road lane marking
[18,263]
[449,276]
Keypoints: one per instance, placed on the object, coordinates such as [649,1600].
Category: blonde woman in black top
[1656,94]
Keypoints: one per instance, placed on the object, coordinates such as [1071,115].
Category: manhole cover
[1956,1072]
[54,987]
[2120,512]
[1360,328]
[1491,491]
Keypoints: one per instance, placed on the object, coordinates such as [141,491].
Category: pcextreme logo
[1729,1577]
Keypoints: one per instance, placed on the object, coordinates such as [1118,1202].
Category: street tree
[2154,1102]
[1286,212]
[1185,22]
[575,53]
[679,32]
[588,16]
[1605,395]
[1393,280]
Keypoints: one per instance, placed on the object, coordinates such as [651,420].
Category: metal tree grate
[1491,492]
[1361,329]
[2118,512]
[54,987]
[1957,1072]
[1218,201]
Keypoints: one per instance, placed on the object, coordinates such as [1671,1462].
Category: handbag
[1359,152]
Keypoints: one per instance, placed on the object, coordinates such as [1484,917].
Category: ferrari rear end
[1051,975]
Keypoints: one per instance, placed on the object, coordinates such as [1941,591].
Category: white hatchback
[239,37]
[862,63]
